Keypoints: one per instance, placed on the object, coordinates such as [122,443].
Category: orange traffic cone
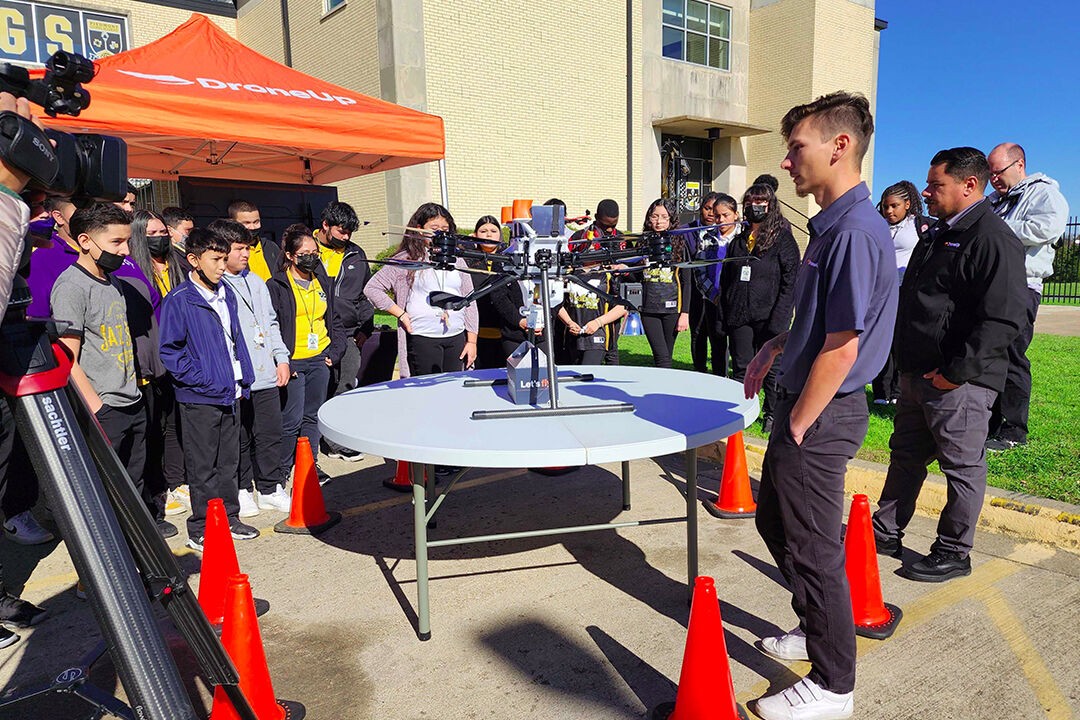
[308,514]
[873,617]
[705,688]
[401,482]
[735,499]
[241,638]
[219,562]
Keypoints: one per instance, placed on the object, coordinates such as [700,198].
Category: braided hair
[905,190]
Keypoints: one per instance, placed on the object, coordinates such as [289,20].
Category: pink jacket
[398,280]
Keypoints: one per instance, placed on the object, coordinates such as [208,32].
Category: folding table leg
[691,519]
[420,536]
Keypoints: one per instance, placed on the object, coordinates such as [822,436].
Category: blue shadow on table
[679,413]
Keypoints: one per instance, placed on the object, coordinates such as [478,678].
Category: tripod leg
[158,565]
[101,556]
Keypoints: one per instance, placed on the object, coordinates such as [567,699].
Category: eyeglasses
[998,173]
[158,234]
[304,255]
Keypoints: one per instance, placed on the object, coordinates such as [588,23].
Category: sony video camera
[86,166]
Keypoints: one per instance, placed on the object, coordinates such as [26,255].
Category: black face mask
[335,243]
[756,213]
[158,245]
[202,276]
[109,262]
[308,263]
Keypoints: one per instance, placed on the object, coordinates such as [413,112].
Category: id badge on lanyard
[312,341]
[744,274]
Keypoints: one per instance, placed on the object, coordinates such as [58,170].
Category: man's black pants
[1009,419]
[212,453]
[799,515]
[260,441]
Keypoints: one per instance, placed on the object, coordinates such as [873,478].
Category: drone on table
[531,256]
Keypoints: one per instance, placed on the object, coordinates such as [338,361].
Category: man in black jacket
[961,305]
[346,265]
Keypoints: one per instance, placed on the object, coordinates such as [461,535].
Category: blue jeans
[301,400]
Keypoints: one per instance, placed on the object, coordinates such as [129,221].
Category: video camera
[85,166]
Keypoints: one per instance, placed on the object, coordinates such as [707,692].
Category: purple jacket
[47,263]
[398,280]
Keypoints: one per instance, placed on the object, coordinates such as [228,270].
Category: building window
[697,32]
[330,6]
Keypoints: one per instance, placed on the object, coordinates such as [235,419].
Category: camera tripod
[111,537]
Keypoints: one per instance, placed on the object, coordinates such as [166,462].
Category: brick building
[628,99]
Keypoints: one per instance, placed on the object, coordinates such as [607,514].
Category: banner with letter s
[30,32]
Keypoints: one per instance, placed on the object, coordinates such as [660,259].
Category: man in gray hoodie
[260,414]
[1033,206]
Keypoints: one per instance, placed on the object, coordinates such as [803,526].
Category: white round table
[429,420]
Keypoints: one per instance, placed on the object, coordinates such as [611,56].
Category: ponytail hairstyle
[905,190]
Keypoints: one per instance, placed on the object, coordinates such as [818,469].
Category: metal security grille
[1064,284]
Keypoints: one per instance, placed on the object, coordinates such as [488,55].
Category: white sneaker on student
[248,508]
[791,646]
[24,529]
[277,500]
[805,700]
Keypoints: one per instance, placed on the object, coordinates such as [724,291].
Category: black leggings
[660,332]
[428,356]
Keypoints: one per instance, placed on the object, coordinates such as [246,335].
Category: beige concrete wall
[534,102]
[781,75]
[258,25]
[800,50]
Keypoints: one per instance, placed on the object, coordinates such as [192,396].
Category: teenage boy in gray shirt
[260,414]
[87,296]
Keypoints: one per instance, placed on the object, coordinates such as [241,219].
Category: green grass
[1048,466]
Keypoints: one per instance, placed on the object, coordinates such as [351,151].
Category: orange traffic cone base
[881,631]
[735,513]
[666,710]
[293,710]
[392,485]
[332,519]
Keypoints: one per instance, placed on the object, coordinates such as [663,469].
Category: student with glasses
[301,297]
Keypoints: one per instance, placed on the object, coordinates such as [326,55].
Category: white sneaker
[183,495]
[24,529]
[248,508]
[173,504]
[277,500]
[791,646]
[805,701]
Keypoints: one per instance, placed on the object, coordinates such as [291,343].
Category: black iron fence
[1064,284]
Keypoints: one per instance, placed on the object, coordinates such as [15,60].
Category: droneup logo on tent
[214,84]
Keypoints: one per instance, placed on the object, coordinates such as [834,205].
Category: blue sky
[979,73]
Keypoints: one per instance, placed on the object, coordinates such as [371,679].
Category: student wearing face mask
[301,294]
[707,339]
[180,224]
[99,337]
[488,231]
[901,206]
[757,287]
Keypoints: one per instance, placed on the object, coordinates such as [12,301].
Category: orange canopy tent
[198,103]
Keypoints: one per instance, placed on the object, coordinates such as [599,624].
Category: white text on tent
[212,84]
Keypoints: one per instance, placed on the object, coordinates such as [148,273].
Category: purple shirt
[47,263]
[847,281]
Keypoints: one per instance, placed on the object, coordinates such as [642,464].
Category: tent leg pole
[442,183]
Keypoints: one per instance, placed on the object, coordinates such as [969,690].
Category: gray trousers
[951,427]
[799,514]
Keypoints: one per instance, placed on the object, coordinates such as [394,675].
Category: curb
[1010,513]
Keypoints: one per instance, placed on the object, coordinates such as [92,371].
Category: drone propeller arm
[449,301]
